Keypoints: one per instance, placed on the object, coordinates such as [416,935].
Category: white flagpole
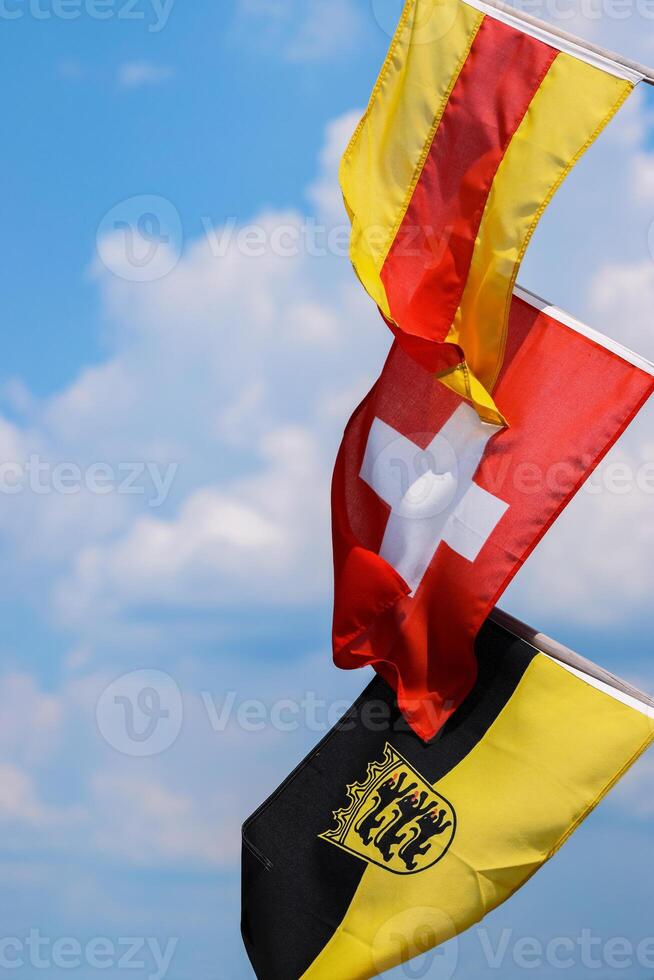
[566,656]
[647,74]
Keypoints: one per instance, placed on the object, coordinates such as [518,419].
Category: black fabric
[296,887]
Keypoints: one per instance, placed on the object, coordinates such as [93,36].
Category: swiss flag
[435,511]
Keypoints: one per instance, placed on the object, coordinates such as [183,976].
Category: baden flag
[475,121]
[380,847]
[434,510]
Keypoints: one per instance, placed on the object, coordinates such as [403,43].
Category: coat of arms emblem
[395,819]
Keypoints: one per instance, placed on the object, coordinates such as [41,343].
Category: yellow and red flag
[476,119]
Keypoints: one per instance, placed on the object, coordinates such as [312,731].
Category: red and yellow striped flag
[476,119]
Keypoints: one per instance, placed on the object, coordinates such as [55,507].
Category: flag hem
[568,320]
[605,688]
[567,45]
[580,666]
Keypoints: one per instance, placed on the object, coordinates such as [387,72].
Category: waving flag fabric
[380,847]
[434,511]
[475,121]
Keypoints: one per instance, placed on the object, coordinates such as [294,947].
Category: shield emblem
[395,819]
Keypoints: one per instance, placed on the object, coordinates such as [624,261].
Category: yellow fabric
[462,381]
[552,755]
[573,105]
[388,150]
[386,156]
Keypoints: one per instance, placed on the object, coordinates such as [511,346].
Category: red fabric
[428,264]
[567,400]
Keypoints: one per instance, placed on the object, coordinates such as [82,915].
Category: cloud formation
[139,74]
[301,31]
[235,372]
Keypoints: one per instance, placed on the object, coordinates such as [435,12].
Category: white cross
[431,492]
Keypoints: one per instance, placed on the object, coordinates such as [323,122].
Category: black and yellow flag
[379,846]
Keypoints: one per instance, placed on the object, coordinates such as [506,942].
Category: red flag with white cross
[434,511]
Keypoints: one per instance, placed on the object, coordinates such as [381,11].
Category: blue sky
[219,388]
[81,142]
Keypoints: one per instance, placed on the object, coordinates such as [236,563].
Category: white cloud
[643,177]
[184,806]
[78,658]
[139,74]
[327,27]
[622,298]
[594,567]
[143,822]
[31,720]
[301,31]
[72,70]
[635,794]
[325,193]
[282,384]
[240,370]
[252,542]
[18,799]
